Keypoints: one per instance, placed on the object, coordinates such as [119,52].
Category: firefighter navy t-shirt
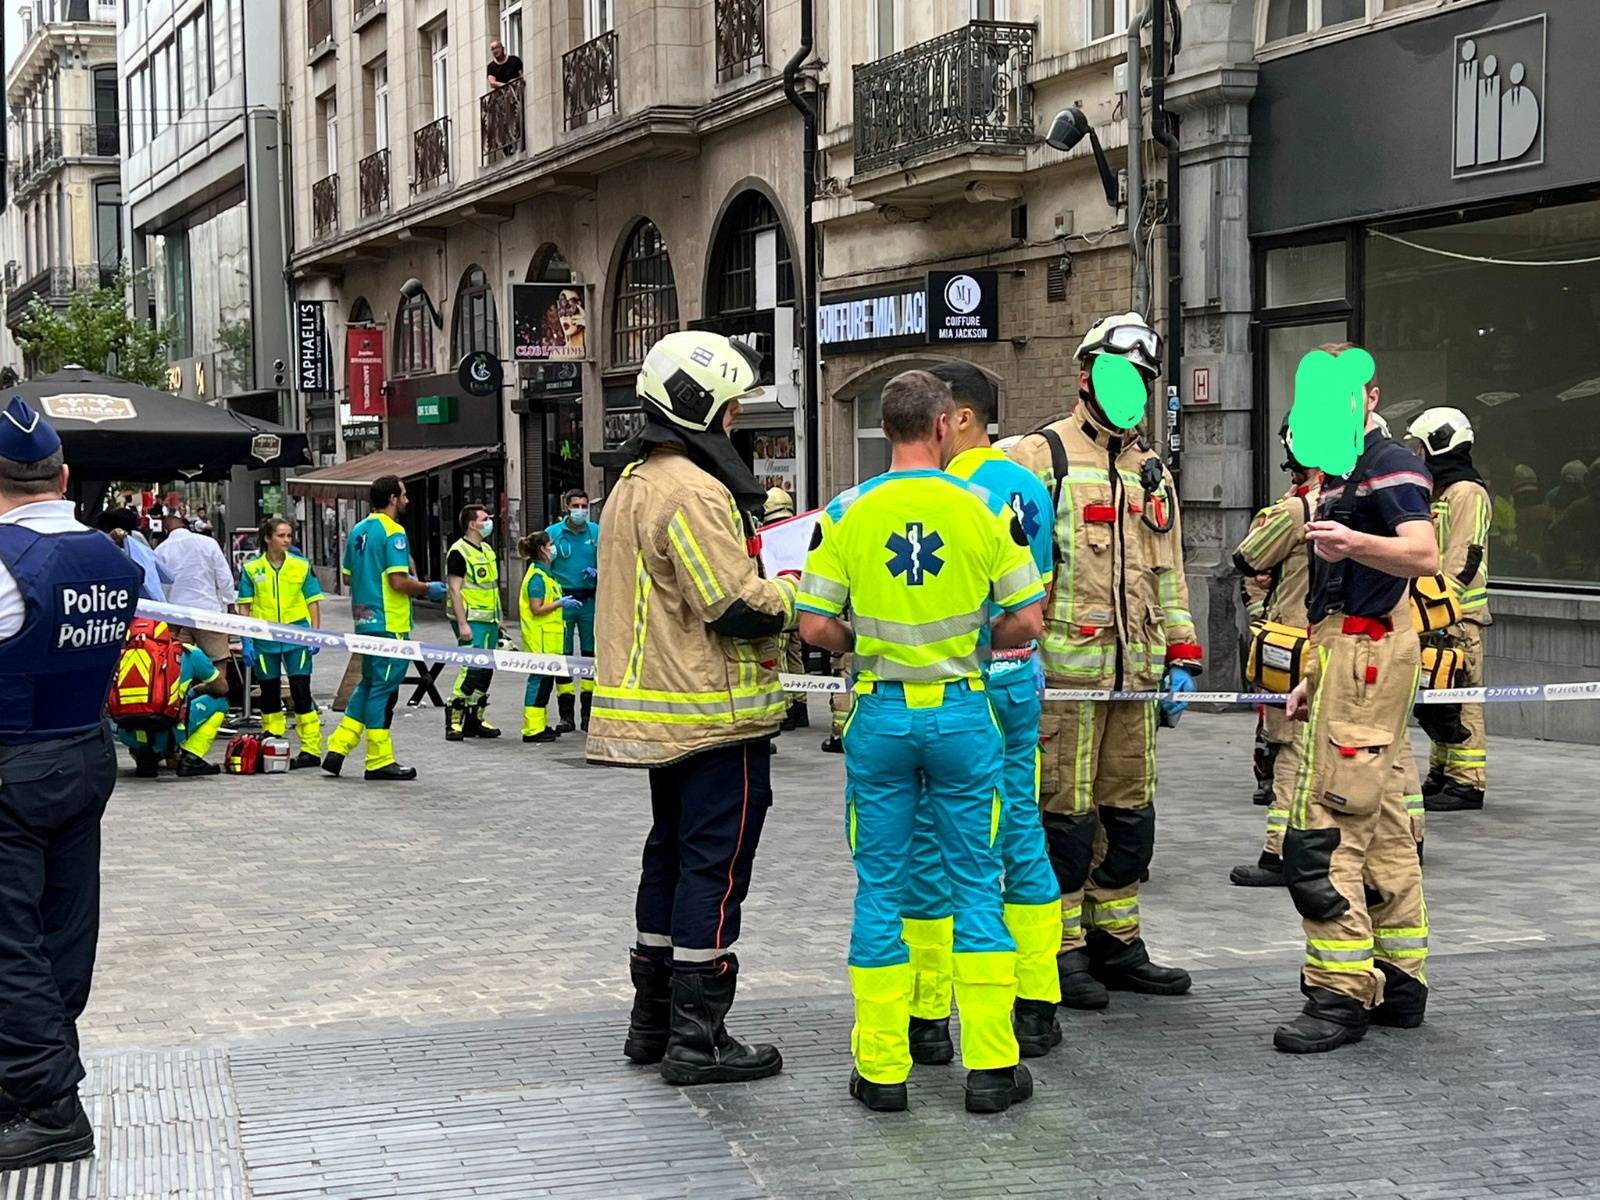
[1397,489]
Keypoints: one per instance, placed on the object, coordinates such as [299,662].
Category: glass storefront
[200,280]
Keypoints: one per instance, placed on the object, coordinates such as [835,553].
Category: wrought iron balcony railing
[33,165]
[374,179]
[741,37]
[53,285]
[325,207]
[98,141]
[966,87]
[430,155]
[319,23]
[501,122]
[589,80]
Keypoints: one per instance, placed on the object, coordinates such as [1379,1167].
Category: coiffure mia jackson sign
[949,307]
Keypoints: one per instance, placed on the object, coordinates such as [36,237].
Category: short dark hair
[124,519]
[37,478]
[384,489]
[912,402]
[572,494]
[467,514]
[971,388]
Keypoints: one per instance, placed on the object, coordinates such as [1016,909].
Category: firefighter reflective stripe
[1410,942]
[1071,921]
[631,704]
[1083,760]
[694,559]
[1455,756]
[1306,777]
[480,591]
[1414,806]
[1278,818]
[1350,955]
[642,586]
[1111,915]
[1172,600]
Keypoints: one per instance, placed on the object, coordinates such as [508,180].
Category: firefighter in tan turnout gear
[1462,512]
[687,686]
[1275,549]
[1118,618]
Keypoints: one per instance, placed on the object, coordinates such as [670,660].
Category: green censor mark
[1120,390]
[1327,424]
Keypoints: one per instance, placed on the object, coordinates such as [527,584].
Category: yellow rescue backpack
[1434,604]
[1276,657]
[1440,665]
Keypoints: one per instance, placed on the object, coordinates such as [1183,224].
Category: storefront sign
[546,382]
[436,410]
[1499,98]
[311,346]
[963,306]
[480,373]
[266,446]
[364,371]
[892,316]
[549,322]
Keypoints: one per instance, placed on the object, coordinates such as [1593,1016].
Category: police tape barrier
[583,668]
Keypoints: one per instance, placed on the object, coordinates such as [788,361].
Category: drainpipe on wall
[1164,125]
[808,317]
[1141,269]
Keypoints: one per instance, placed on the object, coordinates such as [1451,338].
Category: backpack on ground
[145,695]
[243,756]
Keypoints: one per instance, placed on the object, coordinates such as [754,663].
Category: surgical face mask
[578,516]
[487,528]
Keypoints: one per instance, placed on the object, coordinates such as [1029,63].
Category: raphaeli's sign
[311,345]
[891,316]
[1500,98]
[93,409]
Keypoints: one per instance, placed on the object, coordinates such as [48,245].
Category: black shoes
[1405,999]
[650,1022]
[1126,967]
[930,1043]
[1036,1027]
[333,762]
[565,707]
[1266,872]
[796,716]
[1327,1022]
[55,1132]
[832,745]
[1263,793]
[477,726]
[455,723]
[393,773]
[304,761]
[543,736]
[1455,797]
[191,766]
[879,1097]
[1434,783]
[701,1050]
[1079,988]
[146,764]
[997,1090]
[585,705]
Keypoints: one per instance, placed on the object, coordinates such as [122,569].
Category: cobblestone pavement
[316,987]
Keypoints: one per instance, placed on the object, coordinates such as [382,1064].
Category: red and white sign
[1202,386]
[364,366]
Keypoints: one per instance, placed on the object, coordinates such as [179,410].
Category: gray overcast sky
[13,30]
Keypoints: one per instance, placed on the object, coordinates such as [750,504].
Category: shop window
[872,448]
[1305,275]
[476,326]
[751,266]
[1496,317]
[413,336]
[646,307]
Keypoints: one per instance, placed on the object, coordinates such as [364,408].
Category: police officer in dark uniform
[67,595]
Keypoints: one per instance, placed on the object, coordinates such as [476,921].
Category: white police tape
[583,668]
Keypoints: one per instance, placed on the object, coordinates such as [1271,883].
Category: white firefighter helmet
[1129,336]
[689,378]
[779,505]
[1441,430]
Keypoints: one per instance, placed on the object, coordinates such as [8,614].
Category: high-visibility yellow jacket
[1462,514]
[1276,546]
[1119,609]
[686,627]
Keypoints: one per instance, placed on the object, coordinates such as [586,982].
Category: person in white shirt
[201,578]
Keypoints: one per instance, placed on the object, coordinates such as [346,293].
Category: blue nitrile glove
[247,647]
[1038,669]
[1178,680]
[570,604]
[436,591]
[591,574]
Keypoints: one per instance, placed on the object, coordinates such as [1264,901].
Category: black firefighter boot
[1126,967]
[585,703]
[1036,1027]
[996,1090]
[701,1049]
[1454,797]
[1266,872]
[1327,1022]
[1405,999]
[650,1023]
[1434,783]
[930,1042]
[566,705]
[1079,988]
[477,725]
[455,722]
[47,1133]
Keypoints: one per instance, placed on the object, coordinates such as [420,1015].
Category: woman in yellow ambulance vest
[543,610]
[278,585]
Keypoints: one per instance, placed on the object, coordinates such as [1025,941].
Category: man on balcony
[503,68]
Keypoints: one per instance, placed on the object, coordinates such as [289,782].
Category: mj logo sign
[1500,98]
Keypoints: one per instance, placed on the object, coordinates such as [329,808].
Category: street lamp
[1067,130]
[413,289]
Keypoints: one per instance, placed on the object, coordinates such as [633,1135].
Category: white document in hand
[784,545]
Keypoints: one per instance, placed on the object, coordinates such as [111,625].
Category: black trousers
[52,796]
[709,810]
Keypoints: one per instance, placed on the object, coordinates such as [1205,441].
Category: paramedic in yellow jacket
[1462,513]
[1118,618]
[278,585]
[686,641]
[1275,548]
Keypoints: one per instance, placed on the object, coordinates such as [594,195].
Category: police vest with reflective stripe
[481,591]
[79,593]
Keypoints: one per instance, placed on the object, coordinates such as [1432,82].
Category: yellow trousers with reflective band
[1350,856]
[1467,763]
[307,725]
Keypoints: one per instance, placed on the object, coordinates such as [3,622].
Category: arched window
[361,312]
[413,336]
[549,265]
[476,326]
[734,257]
[646,306]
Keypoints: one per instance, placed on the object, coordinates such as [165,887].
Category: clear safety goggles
[1139,343]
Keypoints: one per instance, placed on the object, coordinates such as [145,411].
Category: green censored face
[1120,390]
[1329,417]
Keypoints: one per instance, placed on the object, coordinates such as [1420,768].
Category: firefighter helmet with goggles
[1127,336]
[1441,430]
[689,378]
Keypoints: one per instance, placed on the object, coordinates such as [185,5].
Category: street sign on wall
[311,347]
[963,306]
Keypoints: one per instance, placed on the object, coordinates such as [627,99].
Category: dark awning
[353,478]
[115,430]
